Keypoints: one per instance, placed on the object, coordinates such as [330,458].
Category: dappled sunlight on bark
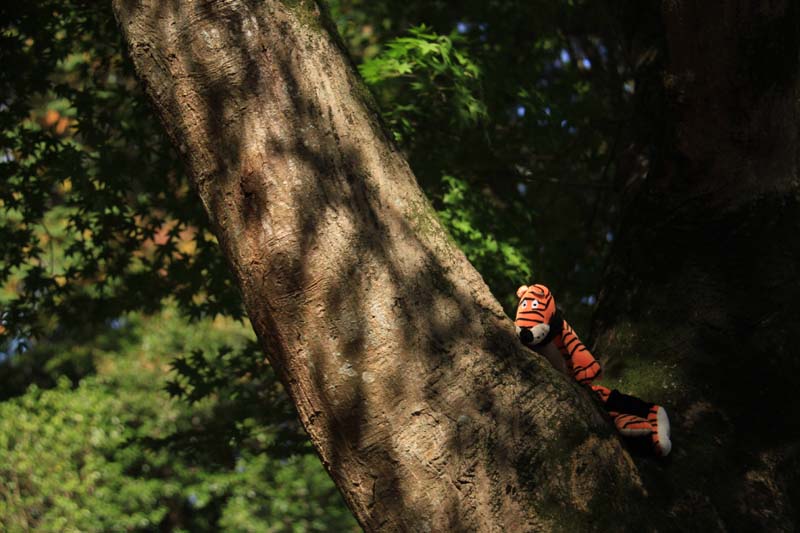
[408,376]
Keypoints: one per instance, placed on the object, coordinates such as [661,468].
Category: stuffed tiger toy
[541,327]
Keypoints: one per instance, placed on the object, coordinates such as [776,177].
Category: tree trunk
[407,375]
[700,306]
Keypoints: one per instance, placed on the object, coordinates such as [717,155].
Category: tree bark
[407,375]
[702,290]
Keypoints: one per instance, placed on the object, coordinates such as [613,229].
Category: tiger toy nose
[525,336]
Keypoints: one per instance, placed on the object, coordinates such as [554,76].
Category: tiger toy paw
[655,428]
[636,418]
[662,444]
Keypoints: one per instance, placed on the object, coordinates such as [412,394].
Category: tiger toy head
[535,313]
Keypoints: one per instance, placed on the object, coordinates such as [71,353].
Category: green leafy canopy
[433,69]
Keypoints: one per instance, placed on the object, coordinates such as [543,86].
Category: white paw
[664,442]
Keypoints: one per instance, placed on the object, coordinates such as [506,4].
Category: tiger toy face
[536,308]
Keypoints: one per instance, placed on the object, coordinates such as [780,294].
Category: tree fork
[406,373]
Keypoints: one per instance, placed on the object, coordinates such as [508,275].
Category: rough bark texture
[699,310]
[406,373]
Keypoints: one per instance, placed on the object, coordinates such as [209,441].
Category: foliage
[434,70]
[290,495]
[64,461]
[116,453]
[478,228]
[98,218]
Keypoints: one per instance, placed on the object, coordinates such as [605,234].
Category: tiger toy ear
[522,289]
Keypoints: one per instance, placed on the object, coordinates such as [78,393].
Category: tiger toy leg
[631,425]
[636,418]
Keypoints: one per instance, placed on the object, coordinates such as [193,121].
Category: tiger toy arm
[583,366]
[554,356]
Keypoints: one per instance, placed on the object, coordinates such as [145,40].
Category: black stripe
[587,373]
[577,349]
[635,422]
[571,339]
